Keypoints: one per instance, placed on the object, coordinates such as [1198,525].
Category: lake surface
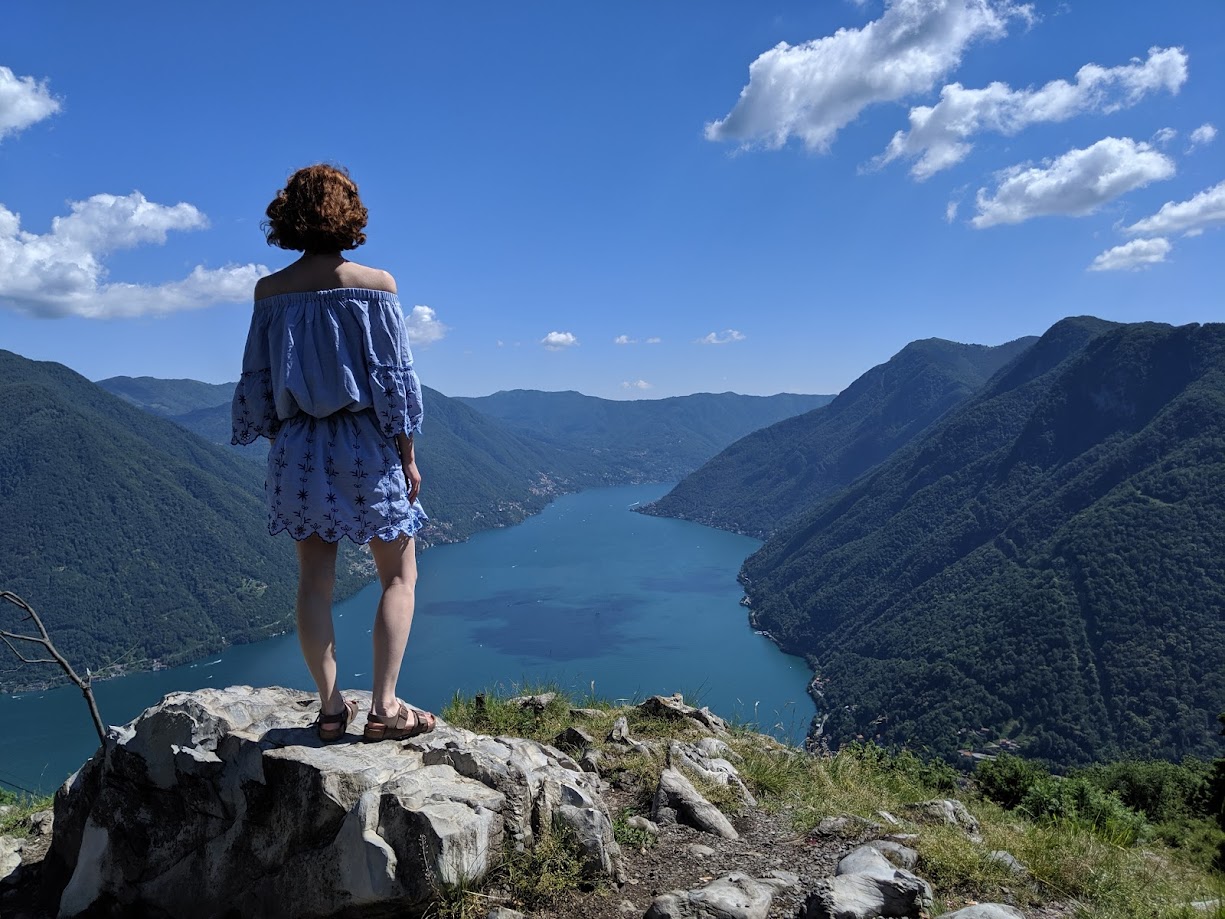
[585,592]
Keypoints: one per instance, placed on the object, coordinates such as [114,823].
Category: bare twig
[43,639]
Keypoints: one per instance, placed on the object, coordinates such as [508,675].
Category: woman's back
[320,272]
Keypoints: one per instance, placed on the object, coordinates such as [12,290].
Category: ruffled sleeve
[394,387]
[253,409]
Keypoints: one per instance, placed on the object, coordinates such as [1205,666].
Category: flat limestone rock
[736,896]
[224,802]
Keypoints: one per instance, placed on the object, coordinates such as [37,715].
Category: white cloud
[652,341]
[723,338]
[423,326]
[1191,217]
[1075,184]
[1132,256]
[556,341]
[813,90]
[1202,136]
[1163,137]
[950,211]
[61,273]
[939,135]
[23,101]
[636,384]
[624,340]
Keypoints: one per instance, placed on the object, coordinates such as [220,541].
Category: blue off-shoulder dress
[328,377]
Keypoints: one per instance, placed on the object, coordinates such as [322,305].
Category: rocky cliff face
[223,803]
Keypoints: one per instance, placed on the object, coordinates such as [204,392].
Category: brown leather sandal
[333,727]
[398,726]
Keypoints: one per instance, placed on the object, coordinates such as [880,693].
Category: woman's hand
[413,478]
[408,460]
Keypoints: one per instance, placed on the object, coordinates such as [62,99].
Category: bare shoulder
[370,278]
[270,284]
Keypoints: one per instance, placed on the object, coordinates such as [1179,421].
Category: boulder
[1007,860]
[864,896]
[674,707]
[735,896]
[10,859]
[677,801]
[705,760]
[900,855]
[948,811]
[573,738]
[537,703]
[642,823]
[986,911]
[223,801]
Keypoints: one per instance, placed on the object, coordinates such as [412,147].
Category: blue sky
[631,200]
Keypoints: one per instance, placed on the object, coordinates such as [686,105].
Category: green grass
[1100,859]
[17,821]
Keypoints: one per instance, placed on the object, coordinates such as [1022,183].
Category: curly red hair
[318,210]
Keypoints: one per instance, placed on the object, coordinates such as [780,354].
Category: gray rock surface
[10,858]
[573,738]
[502,912]
[735,896]
[706,760]
[1007,860]
[639,822]
[986,911]
[862,896]
[537,703]
[677,801]
[222,800]
[674,707]
[948,811]
[900,855]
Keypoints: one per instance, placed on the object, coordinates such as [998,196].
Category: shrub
[1007,779]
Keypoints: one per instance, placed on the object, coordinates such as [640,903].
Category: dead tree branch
[44,640]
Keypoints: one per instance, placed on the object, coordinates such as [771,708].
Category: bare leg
[397,565]
[316,635]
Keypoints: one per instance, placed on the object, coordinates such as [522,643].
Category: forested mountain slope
[168,397]
[1047,563]
[133,539]
[773,474]
[643,440]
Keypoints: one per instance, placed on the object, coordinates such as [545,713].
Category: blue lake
[587,592]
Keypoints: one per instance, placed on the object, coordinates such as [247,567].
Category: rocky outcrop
[224,800]
[736,896]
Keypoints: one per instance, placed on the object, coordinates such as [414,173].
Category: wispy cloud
[62,273]
[812,90]
[1074,184]
[624,340]
[23,101]
[424,327]
[636,384]
[1201,137]
[1132,256]
[559,341]
[727,336]
[939,135]
[652,341]
[1190,217]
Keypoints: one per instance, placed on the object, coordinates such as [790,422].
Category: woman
[328,378]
